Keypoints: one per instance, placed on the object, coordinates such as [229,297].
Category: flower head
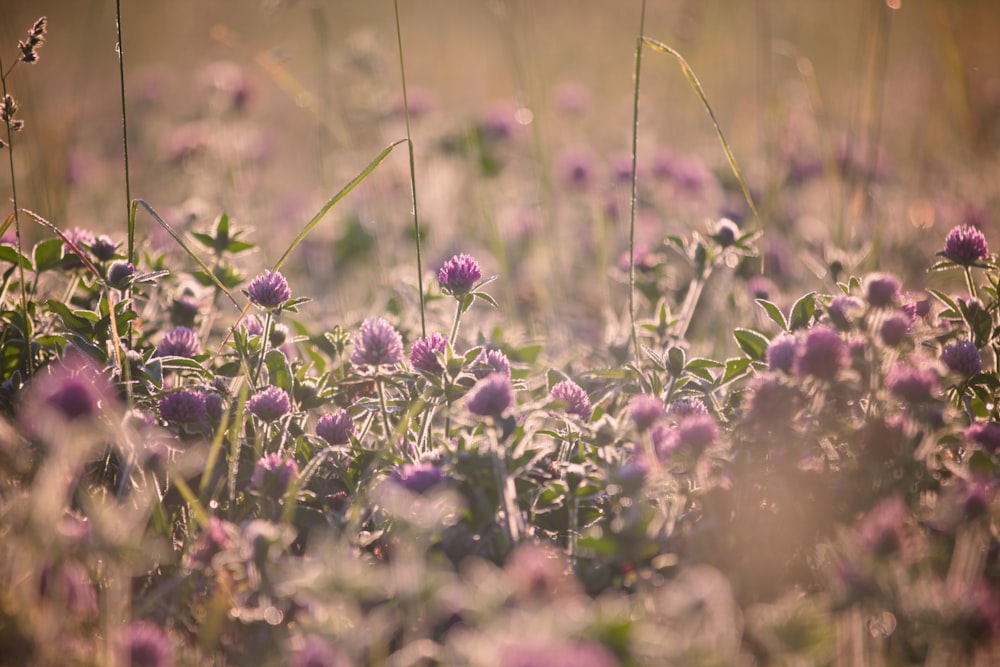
[377,343]
[966,245]
[894,329]
[842,311]
[984,434]
[645,410]
[269,290]
[144,644]
[490,361]
[183,407]
[179,342]
[103,248]
[963,358]
[67,391]
[417,477]
[697,432]
[781,353]
[336,427]
[424,353]
[269,404]
[773,403]
[881,290]
[119,271]
[273,473]
[316,652]
[913,385]
[576,399]
[686,406]
[491,396]
[459,275]
[822,354]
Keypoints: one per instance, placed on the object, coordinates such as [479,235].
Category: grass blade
[183,244]
[693,80]
[336,198]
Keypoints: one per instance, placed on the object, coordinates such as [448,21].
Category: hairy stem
[635,182]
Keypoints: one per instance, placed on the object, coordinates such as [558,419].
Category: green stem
[635,185]
[17,229]
[504,483]
[970,284]
[265,339]
[384,406]
[413,173]
[128,183]
[454,325]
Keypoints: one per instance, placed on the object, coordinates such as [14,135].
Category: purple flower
[218,536]
[183,407]
[913,385]
[252,326]
[336,428]
[697,432]
[822,354]
[459,275]
[143,644]
[83,239]
[781,353]
[103,248]
[184,309]
[576,399]
[576,168]
[269,290]
[269,404]
[214,406]
[377,343]
[966,245]
[490,361]
[316,652]
[179,342]
[894,329]
[686,406]
[557,654]
[726,232]
[491,396]
[417,477]
[984,434]
[70,390]
[881,530]
[842,311]
[67,586]
[539,571]
[424,353]
[273,473]
[119,271]
[645,410]
[772,403]
[963,358]
[881,290]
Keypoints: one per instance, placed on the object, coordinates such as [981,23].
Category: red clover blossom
[459,275]
[269,290]
[966,245]
[377,343]
[269,404]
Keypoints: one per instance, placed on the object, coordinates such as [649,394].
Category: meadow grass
[204,461]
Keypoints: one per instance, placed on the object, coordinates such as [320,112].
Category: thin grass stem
[30,363]
[120,49]
[635,185]
[413,173]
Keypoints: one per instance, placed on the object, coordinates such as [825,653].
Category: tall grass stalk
[635,184]
[413,171]
[4,73]
[120,50]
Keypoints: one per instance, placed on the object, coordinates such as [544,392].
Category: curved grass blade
[183,244]
[336,198]
[693,80]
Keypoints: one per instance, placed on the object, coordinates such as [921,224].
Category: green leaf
[802,312]
[278,371]
[753,344]
[774,313]
[80,321]
[11,255]
[735,369]
[980,463]
[48,254]
[944,298]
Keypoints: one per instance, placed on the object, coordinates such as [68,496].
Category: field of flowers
[333,369]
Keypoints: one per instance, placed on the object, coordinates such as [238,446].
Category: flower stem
[513,522]
[970,284]
[635,195]
[384,406]
[454,325]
